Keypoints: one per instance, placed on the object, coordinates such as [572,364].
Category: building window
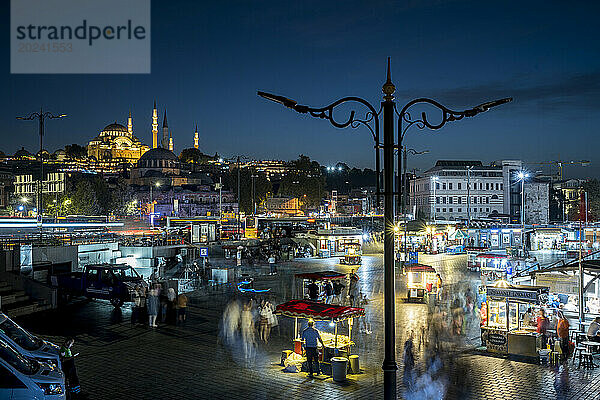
[459,200]
[437,200]
[443,210]
[487,200]
[487,210]
[437,186]
[474,200]
[496,186]
[459,186]
[487,186]
[501,186]
[437,210]
[444,200]
[481,210]
[450,209]
[449,200]
[480,186]
[450,185]
[460,210]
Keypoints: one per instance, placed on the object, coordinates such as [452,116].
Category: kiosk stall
[502,327]
[352,256]
[420,279]
[336,344]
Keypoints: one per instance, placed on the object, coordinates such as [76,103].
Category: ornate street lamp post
[371,121]
[41,117]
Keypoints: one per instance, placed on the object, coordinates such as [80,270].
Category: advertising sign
[413,257]
[511,293]
[496,341]
[506,238]
[494,239]
[558,283]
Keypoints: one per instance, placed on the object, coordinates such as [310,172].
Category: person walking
[135,310]
[313,291]
[152,306]
[338,287]
[353,289]
[438,285]
[328,292]
[310,336]
[542,324]
[562,330]
[182,301]
[171,307]
[67,360]
[247,328]
[272,264]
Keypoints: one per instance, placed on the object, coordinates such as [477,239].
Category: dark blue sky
[209,58]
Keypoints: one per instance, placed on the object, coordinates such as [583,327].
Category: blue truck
[115,283]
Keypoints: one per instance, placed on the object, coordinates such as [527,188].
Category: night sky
[210,58]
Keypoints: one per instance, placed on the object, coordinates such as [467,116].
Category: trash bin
[354,364]
[339,365]
[544,356]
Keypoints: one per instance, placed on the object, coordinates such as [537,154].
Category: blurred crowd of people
[158,305]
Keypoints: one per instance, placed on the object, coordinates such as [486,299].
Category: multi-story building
[537,202]
[568,199]
[27,184]
[458,190]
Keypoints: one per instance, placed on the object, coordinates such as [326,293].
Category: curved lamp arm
[447,114]
[371,116]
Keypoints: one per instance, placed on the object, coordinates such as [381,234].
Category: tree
[305,181]
[193,155]
[75,151]
[262,187]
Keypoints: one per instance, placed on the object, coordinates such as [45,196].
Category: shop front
[335,242]
[504,330]
[548,239]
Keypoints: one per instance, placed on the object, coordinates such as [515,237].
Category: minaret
[196,137]
[154,127]
[165,137]
[170,141]
[130,124]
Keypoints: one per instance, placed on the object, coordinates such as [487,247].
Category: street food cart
[502,327]
[326,316]
[320,278]
[352,256]
[420,279]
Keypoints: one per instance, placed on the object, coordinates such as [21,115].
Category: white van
[28,344]
[22,378]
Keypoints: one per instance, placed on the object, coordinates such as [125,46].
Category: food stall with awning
[319,277]
[336,344]
[421,279]
[502,327]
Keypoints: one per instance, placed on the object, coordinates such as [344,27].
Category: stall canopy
[320,276]
[491,255]
[419,268]
[317,311]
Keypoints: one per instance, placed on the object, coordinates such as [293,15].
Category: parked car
[115,283]
[27,344]
[23,378]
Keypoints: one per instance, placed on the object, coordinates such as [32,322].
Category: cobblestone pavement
[123,361]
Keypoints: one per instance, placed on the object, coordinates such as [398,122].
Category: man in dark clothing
[310,336]
[313,291]
[67,360]
[328,292]
[337,290]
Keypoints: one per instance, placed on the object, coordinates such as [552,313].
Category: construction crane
[560,164]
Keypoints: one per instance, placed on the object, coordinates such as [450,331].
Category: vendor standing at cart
[542,326]
[310,336]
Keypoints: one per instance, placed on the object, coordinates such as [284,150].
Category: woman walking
[152,304]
